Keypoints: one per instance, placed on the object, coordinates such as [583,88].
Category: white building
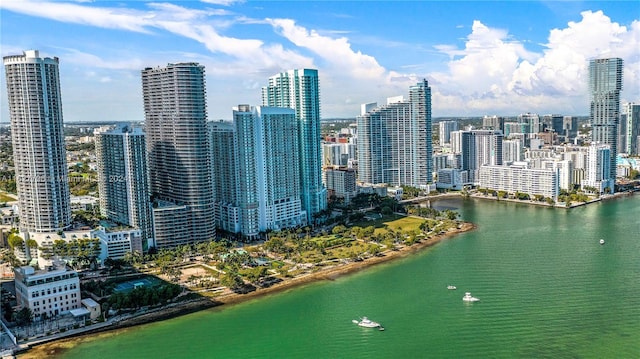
[519,178]
[512,151]
[445,128]
[341,182]
[52,292]
[451,178]
[123,179]
[394,141]
[598,173]
[257,179]
[35,107]
[116,241]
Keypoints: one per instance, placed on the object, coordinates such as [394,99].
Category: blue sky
[480,57]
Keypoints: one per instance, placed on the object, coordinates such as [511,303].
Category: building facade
[394,141]
[256,169]
[632,132]
[519,178]
[445,128]
[179,157]
[300,90]
[123,179]
[605,84]
[341,183]
[598,172]
[49,292]
[35,108]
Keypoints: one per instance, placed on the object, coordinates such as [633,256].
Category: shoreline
[56,346]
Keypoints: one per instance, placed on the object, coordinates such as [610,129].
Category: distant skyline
[480,58]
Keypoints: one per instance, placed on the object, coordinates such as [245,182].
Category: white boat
[451,287]
[365,322]
[468,298]
[602,241]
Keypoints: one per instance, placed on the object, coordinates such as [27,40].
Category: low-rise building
[47,293]
[116,241]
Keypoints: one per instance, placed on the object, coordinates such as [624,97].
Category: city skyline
[502,59]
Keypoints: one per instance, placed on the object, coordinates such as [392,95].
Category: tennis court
[134,283]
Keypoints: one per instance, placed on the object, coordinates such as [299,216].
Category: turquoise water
[547,290]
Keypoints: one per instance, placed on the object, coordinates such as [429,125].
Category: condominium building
[179,158]
[299,89]
[116,241]
[256,171]
[394,141]
[477,148]
[520,178]
[632,132]
[605,84]
[445,128]
[123,179]
[493,123]
[48,293]
[597,172]
[35,109]
[512,151]
[532,120]
[341,183]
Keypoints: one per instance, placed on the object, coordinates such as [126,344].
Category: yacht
[451,287]
[468,298]
[365,322]
[602,241]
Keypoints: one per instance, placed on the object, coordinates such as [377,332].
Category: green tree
[24,316]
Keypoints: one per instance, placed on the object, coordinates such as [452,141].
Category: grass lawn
[5,198]
[406,224]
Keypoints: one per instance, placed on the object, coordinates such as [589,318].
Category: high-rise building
[633,128]
[533,120]
[35,107]
[394,141]
[299,89]
[597,171]
[445,129]
[179,158]
[605,84]
[256,168]
[477,148]
[493,123]
[123,178]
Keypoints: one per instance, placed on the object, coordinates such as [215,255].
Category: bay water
[547,289]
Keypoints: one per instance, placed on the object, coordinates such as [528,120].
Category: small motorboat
[468,298]
[365,322]
[601,241]
[451,287]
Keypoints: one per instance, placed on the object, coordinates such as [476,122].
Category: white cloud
[497,74]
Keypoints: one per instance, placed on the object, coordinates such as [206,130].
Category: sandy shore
[326,273]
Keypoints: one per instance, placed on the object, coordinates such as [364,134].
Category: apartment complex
[394,141]
[519,178]
[256,169]
[123,179]
[178,152]
[299,89]
[35,108]
[605,84]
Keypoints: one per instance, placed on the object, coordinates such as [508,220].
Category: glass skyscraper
[35,107]
[178,153]
[605,84]
[299,90]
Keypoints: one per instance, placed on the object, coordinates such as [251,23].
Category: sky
[480,57]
